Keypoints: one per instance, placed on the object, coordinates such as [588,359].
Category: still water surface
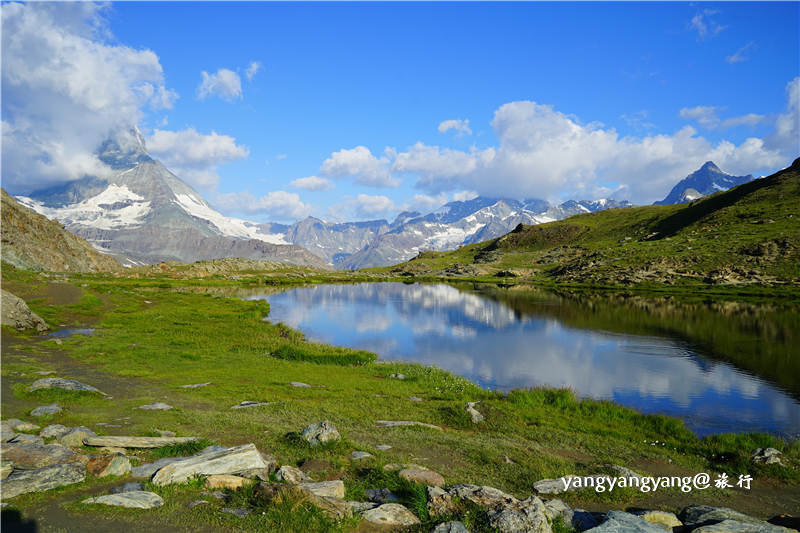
[655,358]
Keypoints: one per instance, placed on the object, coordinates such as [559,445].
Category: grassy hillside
[747,235]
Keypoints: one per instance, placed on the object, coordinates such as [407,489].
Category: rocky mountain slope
[31,241]
[708,179]
[146,214]
[749,234]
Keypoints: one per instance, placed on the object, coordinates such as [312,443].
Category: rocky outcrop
[320,433]
[109,465]
[33,456]
[46,478]
[15,313]
[228,461]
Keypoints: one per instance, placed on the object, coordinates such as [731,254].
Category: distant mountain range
[708,179]
[146,214]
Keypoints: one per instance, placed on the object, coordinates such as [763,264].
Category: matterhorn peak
[124,149]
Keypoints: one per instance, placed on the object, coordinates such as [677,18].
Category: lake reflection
[499,343]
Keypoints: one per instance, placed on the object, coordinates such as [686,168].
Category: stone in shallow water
[49,477]
[63,384]
[138,499]
[390,514]
[320,433]
[43,410]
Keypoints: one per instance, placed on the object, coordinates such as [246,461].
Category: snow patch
[231,227]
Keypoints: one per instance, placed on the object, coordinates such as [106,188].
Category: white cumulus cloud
[66,87]
[312,183]
[360,164]
[276,205]
[461,126]
[224,83]
[194,156]
[252,69]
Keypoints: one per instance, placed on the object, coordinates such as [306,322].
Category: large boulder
[138,499]
[34,456]
[109,465]
[54,431]
[15,313]
[622,522]
[390,514]
[527,516]
[701,515]
[422,475]
[49,477]
[230,461]
[320,433]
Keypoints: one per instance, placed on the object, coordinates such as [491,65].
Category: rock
[138,499]
[622,522]
[556,507]
[396,423]
[63,384]
[440,502]
[701,515]
[7,433]
[423,476]
[54,431]
[196,385]
[195,503]
[293,475]
[26,426]
[40,479]
[127,487]
[148,469]
[136,442]
[110,450]
[277,493]
[165,433]
[225,481]
[360,507]
[582,520]
[357,456]
[43,410]
[320,433]
[331,489]
[397,376]
[383,447]
[46,372]
[6,467]
[24,438]
[249,403]
[451,527]
[299,385]
[390,514]
[34,456]
[230,461]
[217,495]
[663,519]
[156,406]
[763,456]
[76,436]
[473,413]
[109,465]
[381,496]
[14,312]
[241,512]
[737,526]
[551,486]
[415,399]
[527,516]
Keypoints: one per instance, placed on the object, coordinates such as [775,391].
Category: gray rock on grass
[63,384]
[229,461]
[320,433]
[622,522]
[390,514]
[46,478]
[76,436]
[138,499]
[43,410]
[35,456]
[156,406]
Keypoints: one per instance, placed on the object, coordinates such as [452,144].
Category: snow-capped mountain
[708,179]
[143,213]
[459,223]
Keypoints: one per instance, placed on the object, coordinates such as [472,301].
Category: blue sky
[562,100]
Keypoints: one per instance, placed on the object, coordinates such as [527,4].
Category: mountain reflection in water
[653,355]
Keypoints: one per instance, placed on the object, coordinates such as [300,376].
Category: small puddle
[69,332]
